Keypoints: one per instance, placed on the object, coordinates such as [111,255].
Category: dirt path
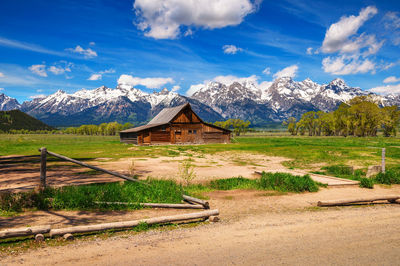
[255,229]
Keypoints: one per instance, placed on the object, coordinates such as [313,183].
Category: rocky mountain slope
[214,101]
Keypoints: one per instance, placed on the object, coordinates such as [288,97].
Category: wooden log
[213,219]
[155,205]
[92,167]
[130,224]
[350,201]
[39,237]
[198,201]
[43,162]
[25,231]
[68,237]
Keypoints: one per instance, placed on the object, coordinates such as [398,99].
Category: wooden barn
[176,125]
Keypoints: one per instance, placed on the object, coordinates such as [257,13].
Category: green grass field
[305,151]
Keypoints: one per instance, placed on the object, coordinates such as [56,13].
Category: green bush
[338,170]
[234,183]
[287,182]
[391,176]
[366,182]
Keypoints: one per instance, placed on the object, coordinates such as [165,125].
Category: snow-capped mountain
[7,103]
[214,101]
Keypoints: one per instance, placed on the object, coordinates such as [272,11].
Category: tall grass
[391,176]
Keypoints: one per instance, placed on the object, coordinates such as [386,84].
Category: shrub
[287,182]
[234,183]
[366,182]
[339,170]
[391,176]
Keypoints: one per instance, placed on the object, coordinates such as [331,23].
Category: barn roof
[167,114]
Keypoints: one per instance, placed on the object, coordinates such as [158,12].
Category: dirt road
[258,234]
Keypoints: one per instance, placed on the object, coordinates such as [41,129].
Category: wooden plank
[130,224]
[155,205]
[25,231]
[361,200]
[43,162]
[92,167]
[196,200]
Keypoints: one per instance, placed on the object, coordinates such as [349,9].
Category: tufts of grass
[366,182]
[287,182]
[234,183]
[391,176]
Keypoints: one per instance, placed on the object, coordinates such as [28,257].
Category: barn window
[163,128]
[178,132]
[194,131]
[190,131]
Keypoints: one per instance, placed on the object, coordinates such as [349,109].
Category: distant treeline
[361,116]
[237,125]
[104,129]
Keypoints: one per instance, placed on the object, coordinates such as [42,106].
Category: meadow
[304,151]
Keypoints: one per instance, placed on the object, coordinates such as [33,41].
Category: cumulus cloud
[150,83]
[60,68]
[39,70]
[88,53]
[267,71]
[2,75]
[163,19]
[95,77]
[309,51]
[345,65]
[99,75]
[176,88]
[388,89]
[231,49]
[337,36]
[391,79]
[290,71]
[92,43]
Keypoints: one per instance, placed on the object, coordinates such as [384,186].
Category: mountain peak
[338,82]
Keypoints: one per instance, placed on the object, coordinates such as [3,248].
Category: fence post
[43,159]
[383,159]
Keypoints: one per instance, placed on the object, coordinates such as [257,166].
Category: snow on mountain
[245,99]
[7,103]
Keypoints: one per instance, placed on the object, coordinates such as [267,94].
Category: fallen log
[362,200]
[197,201]
[129,224]
[25,231]
[155,205]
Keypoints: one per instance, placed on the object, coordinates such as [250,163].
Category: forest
[362,116]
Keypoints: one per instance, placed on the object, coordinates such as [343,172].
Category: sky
[180,44]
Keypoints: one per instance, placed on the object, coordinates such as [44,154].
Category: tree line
[361,116]
[237,125]
[104,129]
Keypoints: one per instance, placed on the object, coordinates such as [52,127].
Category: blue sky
[70,45]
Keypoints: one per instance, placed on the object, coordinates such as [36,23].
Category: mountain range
[213,101]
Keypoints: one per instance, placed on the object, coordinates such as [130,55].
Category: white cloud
[388,89]
[92,43]
[176,88]
[95,77]
[267,71]
[88,53]
[99,75]
[309,51]
[39,70]
[37,96]
[337,36]
[345,65]
[231,49]
[151,83]
[2,75]
[59,69]
[392,26]
[28,47]
[391,79]
[1,89]
[163,19]
[290,71]
[193,89]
